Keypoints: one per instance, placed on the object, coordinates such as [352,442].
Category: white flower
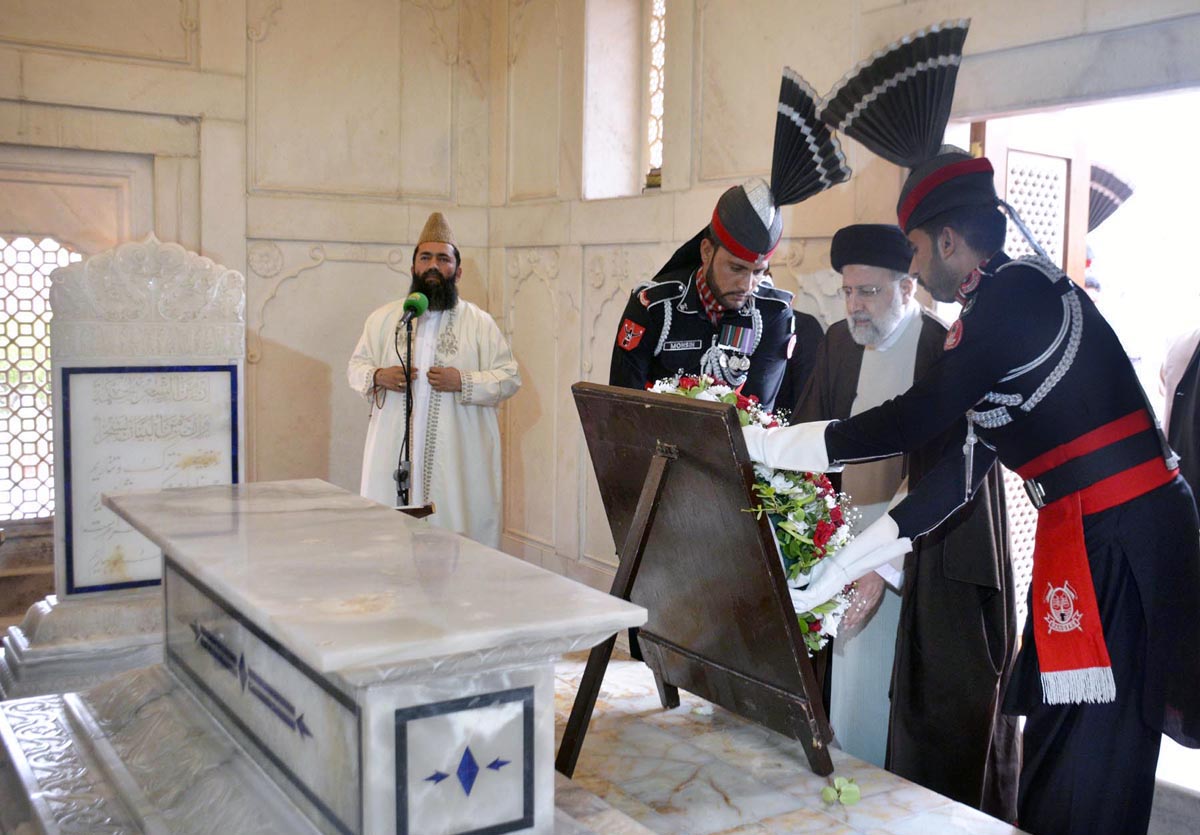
[719,389]
[707,394]
[781,482]
[762,471]
[831,502]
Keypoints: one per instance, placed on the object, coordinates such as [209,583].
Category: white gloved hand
[878,544]
[800,448]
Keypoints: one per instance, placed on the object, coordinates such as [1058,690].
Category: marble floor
[700,770]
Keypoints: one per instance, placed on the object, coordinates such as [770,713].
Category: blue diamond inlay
[436,777]
[497,764]
[467,770]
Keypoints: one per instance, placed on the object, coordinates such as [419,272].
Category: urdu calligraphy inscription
[138,429]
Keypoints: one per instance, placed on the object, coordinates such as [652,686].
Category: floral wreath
[808,517]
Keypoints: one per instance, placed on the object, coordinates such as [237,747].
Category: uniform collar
[708,302]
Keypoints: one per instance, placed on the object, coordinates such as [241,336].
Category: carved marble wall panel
[610,273]
[429,53]
[534,98]
[741,49]
[88,200]
[542,324]
[145,30]
[802,268]
[324,93]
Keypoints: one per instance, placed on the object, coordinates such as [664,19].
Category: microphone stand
[404,470]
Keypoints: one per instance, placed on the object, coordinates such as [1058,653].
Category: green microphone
[414,306]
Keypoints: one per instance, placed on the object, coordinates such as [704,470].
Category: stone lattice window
[654,127]
[26,431]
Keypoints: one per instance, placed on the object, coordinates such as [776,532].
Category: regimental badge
[1062,616]
[630,334]
[954,335]
[643,298]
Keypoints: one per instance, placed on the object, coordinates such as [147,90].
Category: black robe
[956,638]
[1184,431]
[1016,353]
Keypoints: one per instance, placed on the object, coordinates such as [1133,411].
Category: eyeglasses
[867,291]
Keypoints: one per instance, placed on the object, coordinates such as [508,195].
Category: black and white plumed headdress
[807,159]
[897,104]
[1108,192]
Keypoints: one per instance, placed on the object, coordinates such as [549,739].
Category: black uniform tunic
[665,330]
[1014,345]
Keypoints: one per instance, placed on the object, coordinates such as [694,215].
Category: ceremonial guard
[1111,650]
[710,310]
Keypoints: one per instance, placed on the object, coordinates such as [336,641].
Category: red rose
[743,402]
[688,383]
[835,515]
[815,626]
[823,532]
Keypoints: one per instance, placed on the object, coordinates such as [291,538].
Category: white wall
[305,143]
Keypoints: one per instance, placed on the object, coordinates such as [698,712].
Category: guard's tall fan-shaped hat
[897,104]
[806,160]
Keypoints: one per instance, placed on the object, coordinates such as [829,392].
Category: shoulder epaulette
[651,293]
[1043,265]
[771,293]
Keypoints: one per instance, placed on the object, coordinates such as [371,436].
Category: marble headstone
[147,353]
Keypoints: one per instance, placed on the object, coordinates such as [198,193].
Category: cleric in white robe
[462,369]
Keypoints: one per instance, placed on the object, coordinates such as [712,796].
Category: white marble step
[138,755]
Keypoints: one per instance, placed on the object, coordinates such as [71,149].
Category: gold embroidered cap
[437,231]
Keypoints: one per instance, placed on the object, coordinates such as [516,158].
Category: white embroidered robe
[456,435]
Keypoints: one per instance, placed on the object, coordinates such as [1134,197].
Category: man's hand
[392,377]
[868,594]
[445,378]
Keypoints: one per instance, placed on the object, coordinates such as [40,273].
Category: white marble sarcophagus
[359,671]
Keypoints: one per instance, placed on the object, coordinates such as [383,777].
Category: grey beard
[871,333]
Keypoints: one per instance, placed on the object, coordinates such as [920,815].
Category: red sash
[1072,655]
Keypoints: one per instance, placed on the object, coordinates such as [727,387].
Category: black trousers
[1089,769]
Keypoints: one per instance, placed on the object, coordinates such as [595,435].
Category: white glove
[878,544]
[800,448]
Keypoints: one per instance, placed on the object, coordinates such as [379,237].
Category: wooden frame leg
[631,557]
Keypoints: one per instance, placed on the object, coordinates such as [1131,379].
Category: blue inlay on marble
[249,680]
[468,769]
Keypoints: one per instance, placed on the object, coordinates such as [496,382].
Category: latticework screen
[26,428]
[1037,189]
[658,56]
[1022,524]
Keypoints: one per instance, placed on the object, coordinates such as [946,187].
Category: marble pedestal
[384,676]
[76,643]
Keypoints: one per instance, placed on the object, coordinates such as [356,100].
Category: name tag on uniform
[684,345]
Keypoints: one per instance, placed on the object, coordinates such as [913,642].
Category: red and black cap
[951,180]
[873,244]
[747,222]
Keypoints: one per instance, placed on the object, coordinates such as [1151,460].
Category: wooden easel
[720,621]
